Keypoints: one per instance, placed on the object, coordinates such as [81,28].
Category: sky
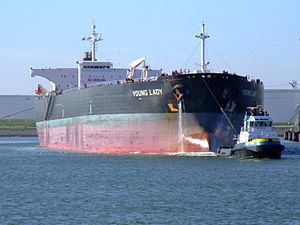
[256,38]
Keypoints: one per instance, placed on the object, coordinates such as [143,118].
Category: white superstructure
[89,71]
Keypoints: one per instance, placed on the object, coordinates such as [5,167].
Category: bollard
[290,136]
[286,135]
[295,136]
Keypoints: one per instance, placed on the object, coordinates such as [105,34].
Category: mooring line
[25,110]
[216,100]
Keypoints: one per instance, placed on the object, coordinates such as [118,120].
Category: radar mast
[93,39]
[202,38]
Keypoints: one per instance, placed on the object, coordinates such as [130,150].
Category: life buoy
[38,90]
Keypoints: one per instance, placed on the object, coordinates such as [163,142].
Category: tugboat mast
[202,38]
[93,39]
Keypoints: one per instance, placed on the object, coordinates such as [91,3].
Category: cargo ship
[98,108]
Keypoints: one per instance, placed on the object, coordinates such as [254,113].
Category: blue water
[38,186]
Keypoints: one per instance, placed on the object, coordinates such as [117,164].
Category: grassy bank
[17,127]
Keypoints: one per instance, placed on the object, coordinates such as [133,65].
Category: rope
[189,58]
[220,57]
[231,125]
[25,110]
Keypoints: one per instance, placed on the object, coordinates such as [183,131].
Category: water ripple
[39,186]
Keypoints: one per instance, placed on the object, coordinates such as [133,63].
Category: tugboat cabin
[257,123]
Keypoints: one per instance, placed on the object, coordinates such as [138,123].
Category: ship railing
[103,83]
[152,78]
[115,82]
[107,83]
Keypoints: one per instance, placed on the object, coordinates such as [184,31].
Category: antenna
[93,39]
[202,38]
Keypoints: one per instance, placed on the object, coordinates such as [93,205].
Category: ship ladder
[49,106]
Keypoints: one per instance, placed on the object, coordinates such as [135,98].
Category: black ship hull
[191,112]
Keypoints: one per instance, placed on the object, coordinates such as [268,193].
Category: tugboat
[257,138]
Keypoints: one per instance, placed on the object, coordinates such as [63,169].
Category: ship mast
[202,38]
[93,39]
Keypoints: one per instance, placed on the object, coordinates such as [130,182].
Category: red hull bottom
[124,134]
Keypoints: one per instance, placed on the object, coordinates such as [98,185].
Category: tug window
[251,124]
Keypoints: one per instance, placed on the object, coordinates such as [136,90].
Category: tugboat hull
[270,151]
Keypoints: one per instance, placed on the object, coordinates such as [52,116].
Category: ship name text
[250,93]
[147,92]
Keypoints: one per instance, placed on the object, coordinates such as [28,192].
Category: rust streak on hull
[147,134]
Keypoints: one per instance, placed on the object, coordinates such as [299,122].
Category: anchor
[177,94]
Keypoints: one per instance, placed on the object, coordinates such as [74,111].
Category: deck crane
[132,69]
[297,116]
